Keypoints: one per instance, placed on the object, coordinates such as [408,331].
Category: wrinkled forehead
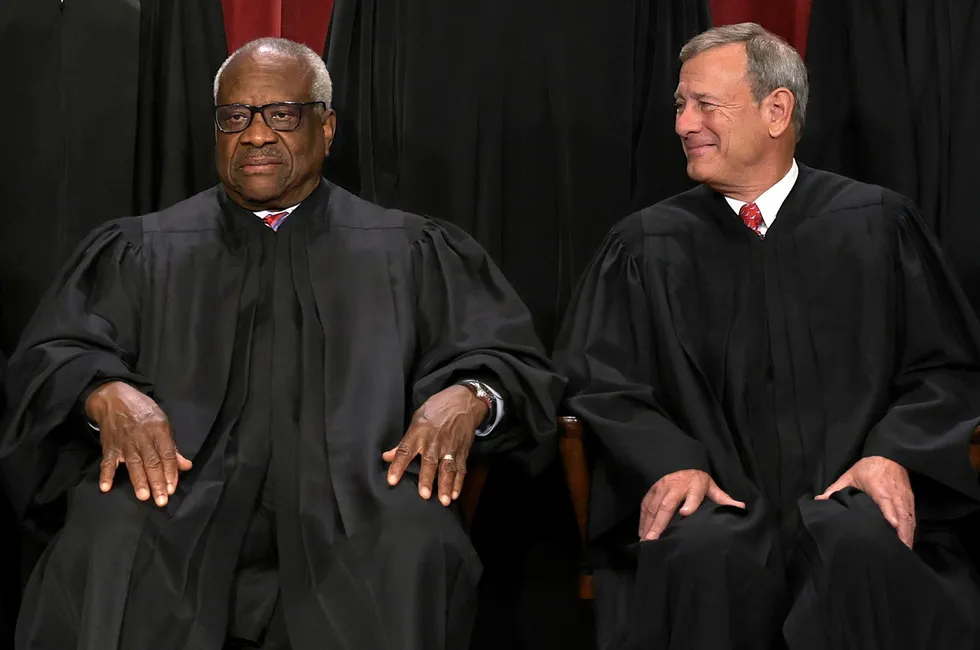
[720,71]
[265,79]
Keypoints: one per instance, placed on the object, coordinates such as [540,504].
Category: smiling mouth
[698,150]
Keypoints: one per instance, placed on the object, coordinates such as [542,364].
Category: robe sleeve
[606,349]
[85,332]
[935,403]
[471,323]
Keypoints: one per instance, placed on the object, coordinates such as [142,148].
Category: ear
[329,128]
[778,111]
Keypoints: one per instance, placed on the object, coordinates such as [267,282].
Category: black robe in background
[534,126]
[774,365]
[312,345]
[113,101]
[10,561]
[895,98]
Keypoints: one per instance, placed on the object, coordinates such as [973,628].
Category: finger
[402,455]
[648,509]
[430,465]
[721,497]
[153,468]
[664,514]
[137,476]
[460,475]
[447,480]
[183,464]
[692,501]
[167,450]
[107,471]
[906,521]
[838,485]
[906,529]
[888,510]
[389,455]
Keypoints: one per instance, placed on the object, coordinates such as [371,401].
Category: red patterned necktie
[752,217]
[275,220]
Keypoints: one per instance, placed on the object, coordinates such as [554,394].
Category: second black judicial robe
[774,365]
[894,99]
[312,346]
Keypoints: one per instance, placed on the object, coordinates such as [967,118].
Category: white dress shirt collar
[772,199]
[262,214]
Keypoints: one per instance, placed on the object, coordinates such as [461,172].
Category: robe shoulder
[342,211]
[348,211]
[818,193]
[200,212]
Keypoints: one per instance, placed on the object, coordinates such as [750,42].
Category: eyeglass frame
[259,109]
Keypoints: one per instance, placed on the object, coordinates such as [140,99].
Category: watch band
[482,393]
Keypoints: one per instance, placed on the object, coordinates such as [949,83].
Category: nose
[258,133]
[687,121]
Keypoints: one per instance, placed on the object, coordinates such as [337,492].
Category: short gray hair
[772,63]
[321,89]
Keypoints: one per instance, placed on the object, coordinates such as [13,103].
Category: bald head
[321,88]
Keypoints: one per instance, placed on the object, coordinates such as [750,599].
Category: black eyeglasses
[283,116]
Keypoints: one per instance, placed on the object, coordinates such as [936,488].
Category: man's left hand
[442,430]
[887,483]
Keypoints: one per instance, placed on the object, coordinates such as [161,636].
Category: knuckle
[670,503]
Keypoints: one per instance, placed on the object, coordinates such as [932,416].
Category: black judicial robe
[312,345]
[771,364]
[894,99]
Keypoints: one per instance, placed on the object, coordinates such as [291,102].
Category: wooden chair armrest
[572,449]
[975,449]
[469,498]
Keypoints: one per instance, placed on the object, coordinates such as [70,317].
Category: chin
[259,190]
[697,171]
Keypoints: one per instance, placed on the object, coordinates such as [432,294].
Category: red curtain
[788,18]
[304,21]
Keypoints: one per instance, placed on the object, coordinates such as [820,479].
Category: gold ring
[447,457]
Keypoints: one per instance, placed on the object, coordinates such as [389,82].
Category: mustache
[258,155]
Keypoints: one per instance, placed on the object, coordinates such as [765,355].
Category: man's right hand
[687,487]
[135,431]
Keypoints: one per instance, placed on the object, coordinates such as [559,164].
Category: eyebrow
[697,97]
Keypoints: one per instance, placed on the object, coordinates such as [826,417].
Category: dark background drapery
[533,125]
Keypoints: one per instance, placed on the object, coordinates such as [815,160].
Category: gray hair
[321,89]
[772,63]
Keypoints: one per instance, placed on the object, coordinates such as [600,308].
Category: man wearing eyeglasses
[267,360]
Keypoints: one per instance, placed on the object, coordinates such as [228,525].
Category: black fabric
[115,98]
[715,582]
[773,364]
[300,354]
[76,170]
[10,562]
[534,126]
[182,45]
[894,99]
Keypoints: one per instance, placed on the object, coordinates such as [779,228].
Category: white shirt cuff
[498,402]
